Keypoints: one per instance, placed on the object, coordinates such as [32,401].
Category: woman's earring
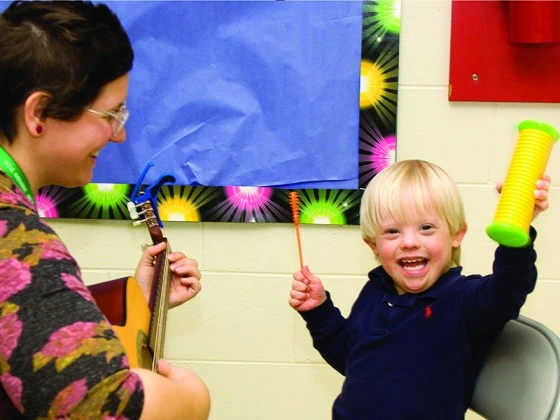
[39,129]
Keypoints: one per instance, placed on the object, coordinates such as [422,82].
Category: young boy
[418,333]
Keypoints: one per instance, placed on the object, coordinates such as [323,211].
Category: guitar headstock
[145,213]
[143,205]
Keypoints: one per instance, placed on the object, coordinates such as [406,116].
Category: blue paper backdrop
[258,93]
[376,149]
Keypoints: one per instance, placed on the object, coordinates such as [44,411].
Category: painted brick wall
[240,334]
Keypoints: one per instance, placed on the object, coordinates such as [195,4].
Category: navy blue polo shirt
[416,356]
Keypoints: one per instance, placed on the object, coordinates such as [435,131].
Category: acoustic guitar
[140,325]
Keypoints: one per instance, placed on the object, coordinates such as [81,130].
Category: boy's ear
[458,237]
[372,245]
[33,110]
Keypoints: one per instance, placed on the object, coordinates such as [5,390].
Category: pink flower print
[10,330]
[131,383]
[3,227]
[75,284]
[21,196]
[125,363]
[13,387]
[14,276]
[8,198]
[68,398]
[73,341]
[69,338]
[55,249]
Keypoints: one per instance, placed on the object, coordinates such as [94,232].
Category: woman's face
[73,146]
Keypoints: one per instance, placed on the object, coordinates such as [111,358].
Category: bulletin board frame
[377,150]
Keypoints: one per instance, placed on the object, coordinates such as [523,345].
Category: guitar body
[124,305]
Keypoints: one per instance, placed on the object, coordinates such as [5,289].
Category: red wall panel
[505,51]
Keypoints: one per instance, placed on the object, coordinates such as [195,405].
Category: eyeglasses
[118,119]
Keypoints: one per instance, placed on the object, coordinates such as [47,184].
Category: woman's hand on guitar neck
[185,276]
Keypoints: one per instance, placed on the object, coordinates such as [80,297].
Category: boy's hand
[541,195]
[307,291]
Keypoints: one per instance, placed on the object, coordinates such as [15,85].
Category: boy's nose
[409,239]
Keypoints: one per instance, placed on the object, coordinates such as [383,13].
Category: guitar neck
[159,306]
[156,233]
[159,296]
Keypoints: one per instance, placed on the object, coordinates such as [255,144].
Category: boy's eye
[392,231]
[426,227]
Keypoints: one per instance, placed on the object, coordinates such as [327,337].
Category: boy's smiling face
[415,252]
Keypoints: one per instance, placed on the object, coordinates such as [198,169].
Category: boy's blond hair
[425,185]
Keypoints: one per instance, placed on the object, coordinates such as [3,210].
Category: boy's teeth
[414,264]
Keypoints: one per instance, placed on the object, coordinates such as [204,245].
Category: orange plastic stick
[294,203]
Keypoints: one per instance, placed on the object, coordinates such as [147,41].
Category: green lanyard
[11,168]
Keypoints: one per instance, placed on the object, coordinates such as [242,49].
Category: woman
[64,81]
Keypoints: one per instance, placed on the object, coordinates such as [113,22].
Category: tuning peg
[132,210]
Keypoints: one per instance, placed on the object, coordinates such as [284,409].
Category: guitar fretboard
[159,297]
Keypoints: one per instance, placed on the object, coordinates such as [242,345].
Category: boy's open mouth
[413,264]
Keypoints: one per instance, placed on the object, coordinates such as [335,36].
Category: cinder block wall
[240,334]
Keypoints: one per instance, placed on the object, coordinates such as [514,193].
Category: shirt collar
[407,299]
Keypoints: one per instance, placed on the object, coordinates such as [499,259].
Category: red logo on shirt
[427,312]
